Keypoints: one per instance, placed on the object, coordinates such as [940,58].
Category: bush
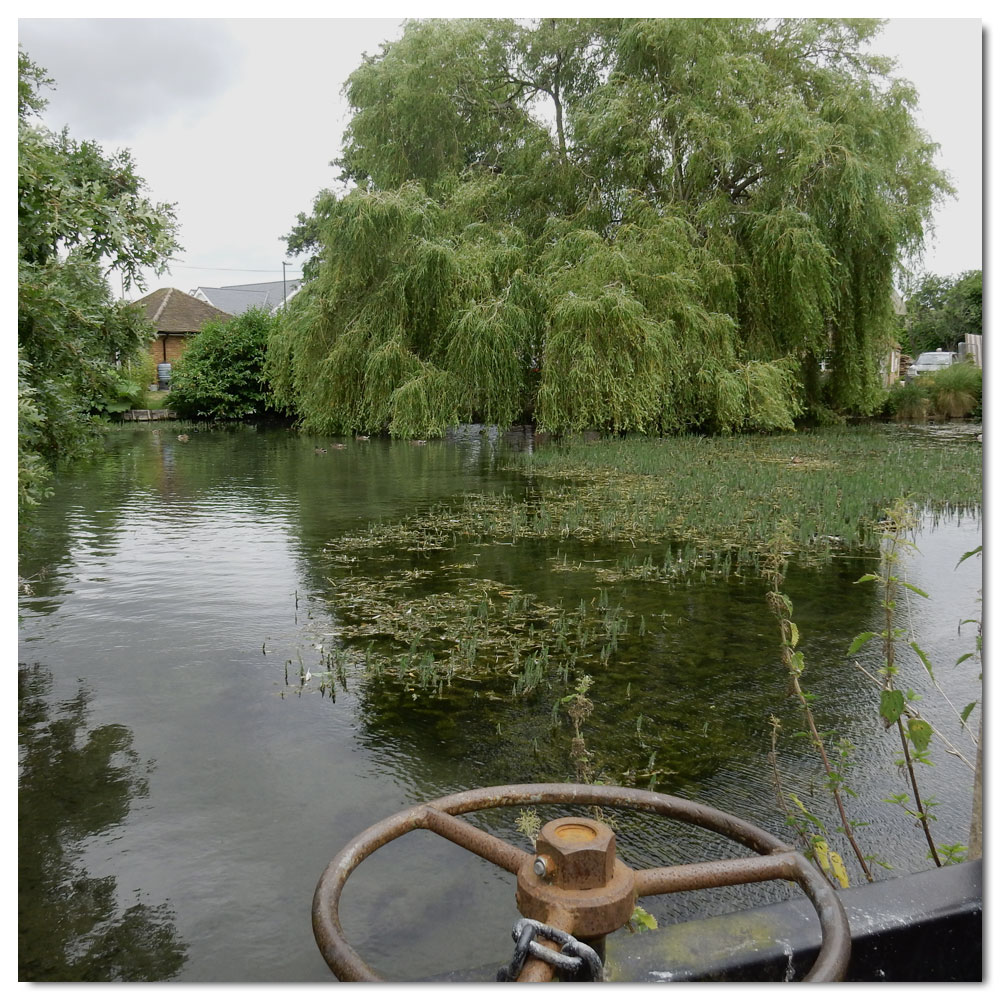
[127,389]
[32,471]
[221,375]
[956,391]
[952,393]
[908,402]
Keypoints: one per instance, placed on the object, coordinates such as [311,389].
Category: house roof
[174,311]
[237,299]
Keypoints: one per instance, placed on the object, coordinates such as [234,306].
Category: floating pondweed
[475,629]
[424,592]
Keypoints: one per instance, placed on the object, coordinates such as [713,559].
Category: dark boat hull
[926,927]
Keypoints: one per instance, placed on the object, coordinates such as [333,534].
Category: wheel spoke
[711,874]
[458,831]
[774,860]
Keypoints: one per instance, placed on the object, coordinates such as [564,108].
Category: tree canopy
[942,311]
[644,225]
[81,215]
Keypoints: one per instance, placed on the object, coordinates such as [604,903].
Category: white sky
[237,121]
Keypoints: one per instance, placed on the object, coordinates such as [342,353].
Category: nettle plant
[896,703]
[835,755]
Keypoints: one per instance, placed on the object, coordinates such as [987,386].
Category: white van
[931,361]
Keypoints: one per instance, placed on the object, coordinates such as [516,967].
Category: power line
[243,270]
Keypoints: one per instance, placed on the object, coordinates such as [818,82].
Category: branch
[745,183]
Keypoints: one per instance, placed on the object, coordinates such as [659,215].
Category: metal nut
[577,853]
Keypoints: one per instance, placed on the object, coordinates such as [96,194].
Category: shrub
[953,392]
[126,389]
[956,391]
[32,472]
[221,375]
[908,402]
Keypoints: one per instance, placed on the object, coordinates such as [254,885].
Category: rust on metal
[712,874]
[502,854]
[584,913]
[580,852]
[591,912]
[537,971]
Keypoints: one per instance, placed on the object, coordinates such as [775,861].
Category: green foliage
[80,214]
[641,920]
[794,663]
[952,393]
[890,706]
[956,391]
[81,347]
[709,210]
[32,472]
[221,376]
[942,311]
[908,402]
[915,735]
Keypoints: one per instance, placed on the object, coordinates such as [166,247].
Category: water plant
[721,495]
[896,702]
[794,662]
[915,737]
[579,708]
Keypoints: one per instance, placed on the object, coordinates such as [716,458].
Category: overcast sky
[237,121]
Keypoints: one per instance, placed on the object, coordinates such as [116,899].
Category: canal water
[190,759]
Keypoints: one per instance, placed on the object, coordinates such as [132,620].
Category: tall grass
[951,393]
[829,485]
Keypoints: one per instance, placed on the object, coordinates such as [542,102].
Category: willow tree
[634,225]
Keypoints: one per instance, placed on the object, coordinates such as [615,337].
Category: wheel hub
[575,881]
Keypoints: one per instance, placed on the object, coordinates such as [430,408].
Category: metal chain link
[574,959]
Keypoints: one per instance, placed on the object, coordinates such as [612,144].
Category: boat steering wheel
[573,880]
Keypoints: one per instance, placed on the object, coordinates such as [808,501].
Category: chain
[574,959]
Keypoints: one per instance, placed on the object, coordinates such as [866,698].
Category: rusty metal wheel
[584,911]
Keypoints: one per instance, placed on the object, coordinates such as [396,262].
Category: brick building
[176,316]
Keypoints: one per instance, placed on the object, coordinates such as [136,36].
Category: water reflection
[185,581]
[76,783]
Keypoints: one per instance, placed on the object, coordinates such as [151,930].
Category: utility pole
[284,284]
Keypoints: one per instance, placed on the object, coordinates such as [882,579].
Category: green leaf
[923,658]
[794,629]
[890,706]
[805,812]
[916,590]
[839,869]
[963,658]
[920,733]
[967,711]
[867,578]
[972,552]
[859,641]
[644,921]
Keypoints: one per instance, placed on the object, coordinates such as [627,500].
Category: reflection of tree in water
[76,782]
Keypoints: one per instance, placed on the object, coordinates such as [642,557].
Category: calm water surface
[182,791]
